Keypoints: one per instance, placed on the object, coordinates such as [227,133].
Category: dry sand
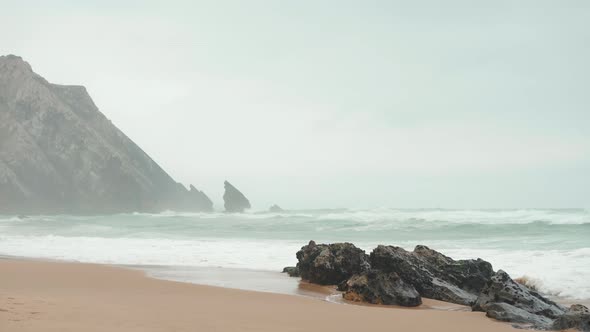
[48,296]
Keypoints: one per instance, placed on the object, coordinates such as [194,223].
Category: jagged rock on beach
[331,264]
[394,276]
[576,317]
[522,318]
[292,271]
[501,288]
[379,287]
[433,274]
[505,299]
[234,200]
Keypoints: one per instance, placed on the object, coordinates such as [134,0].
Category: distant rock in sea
[60,154]
[275,208]
[234,200]
[199,199]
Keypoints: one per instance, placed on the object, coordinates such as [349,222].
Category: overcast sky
[454,104]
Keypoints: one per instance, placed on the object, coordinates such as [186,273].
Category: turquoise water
[550,246]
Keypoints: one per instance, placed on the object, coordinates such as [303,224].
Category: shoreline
[297,287]
[42,296]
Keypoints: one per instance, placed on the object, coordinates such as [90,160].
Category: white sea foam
[523,216]
[562,273]
[248,254]
[559,272]
[519,216]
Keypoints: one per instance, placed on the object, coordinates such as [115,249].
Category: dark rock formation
[275,208]
[433,274]
[331,264]
[292,271]
[503,298]
[234,200]
[576,317]
[381,288]
[392,275]
[60,154]
[502,289]
[523,319]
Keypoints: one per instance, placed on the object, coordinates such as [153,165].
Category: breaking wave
[549,247]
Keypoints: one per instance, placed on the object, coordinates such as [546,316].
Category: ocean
[550,247]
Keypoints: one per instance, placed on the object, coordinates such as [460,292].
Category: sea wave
[486,216]
[557,272]
[519,216]
[549,245]
[563,273]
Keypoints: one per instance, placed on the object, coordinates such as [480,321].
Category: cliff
[60,154]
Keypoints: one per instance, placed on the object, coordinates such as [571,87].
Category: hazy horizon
[328,105]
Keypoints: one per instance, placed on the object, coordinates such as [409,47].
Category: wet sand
[52,296]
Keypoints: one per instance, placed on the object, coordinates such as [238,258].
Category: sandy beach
[51,296]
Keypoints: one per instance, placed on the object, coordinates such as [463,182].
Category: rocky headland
[60,154]
[391,275]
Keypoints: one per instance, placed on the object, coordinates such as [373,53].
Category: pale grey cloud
[332,103]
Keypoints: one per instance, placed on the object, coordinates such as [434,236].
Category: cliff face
[60,154]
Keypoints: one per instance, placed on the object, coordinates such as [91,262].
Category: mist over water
[550,246]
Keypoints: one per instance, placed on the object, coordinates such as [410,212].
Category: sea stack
[234,200]
[60,154]
[275,208]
